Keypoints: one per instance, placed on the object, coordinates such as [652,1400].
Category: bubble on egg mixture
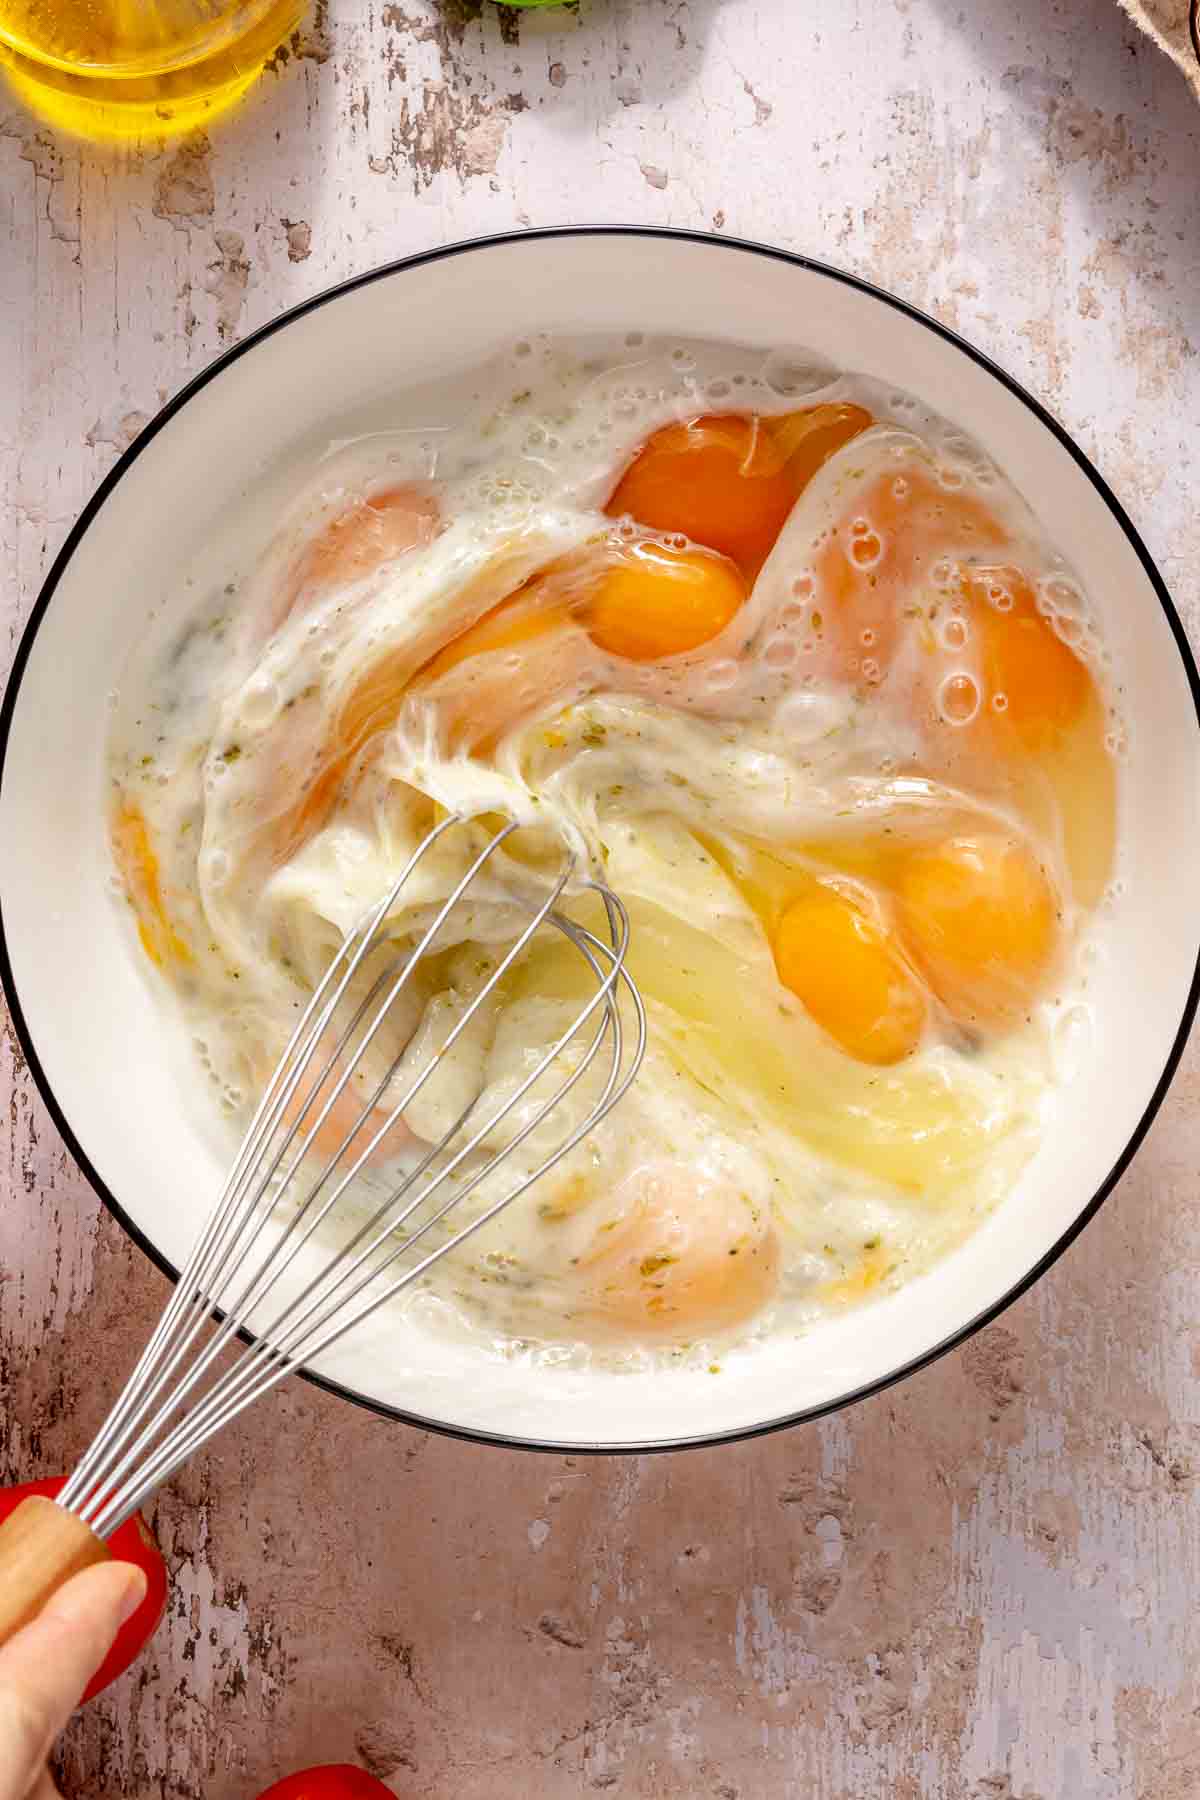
[204,1057]
[1071,630]
[958,699]
[867,547]
[953,632]
[808,717]
[798,374]
[780,652]
[1063,594]
[1061,601]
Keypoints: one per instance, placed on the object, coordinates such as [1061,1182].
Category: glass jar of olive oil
[127,68]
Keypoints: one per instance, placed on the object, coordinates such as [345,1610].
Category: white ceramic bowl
[94,1038]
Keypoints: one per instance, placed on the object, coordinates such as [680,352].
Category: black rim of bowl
[465,247]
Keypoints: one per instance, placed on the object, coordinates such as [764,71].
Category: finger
[45,1667]
[44,1788]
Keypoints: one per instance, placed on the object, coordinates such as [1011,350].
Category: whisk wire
[138,1446]
[348,1073]
[351,953]
[297,1231]
[244,1382]
[197,1273]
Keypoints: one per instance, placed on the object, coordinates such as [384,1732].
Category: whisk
[278,1195]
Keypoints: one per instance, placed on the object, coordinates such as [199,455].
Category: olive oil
[113,69]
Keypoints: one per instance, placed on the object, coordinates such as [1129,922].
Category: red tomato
[132,1543]
[332,1781]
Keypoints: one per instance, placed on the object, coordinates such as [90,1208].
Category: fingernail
[135,1592]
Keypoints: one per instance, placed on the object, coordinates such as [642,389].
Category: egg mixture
[790,662]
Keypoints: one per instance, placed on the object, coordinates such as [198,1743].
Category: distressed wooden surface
[977,1587]
[1171,24]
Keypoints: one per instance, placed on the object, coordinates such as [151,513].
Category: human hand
[45,1667]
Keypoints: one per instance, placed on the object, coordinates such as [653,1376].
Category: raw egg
[840,963]
[368,533]
[692,1256]
[874,574]
[979,916]
[656,601]
[720,480]
[1036,685]
[729,480]
[348,1113]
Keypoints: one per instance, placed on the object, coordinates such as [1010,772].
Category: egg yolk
[509,626]
[317,1084]
[979,918]
[371,532]
[641,602]
[373,706]
[474,719]
[690,1257]
[1036,686]
[656,601]
[841,965]
[721,480]
[876,562]
[526,652]
[298,822]
[808,439]
[728,480]
[137,862]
